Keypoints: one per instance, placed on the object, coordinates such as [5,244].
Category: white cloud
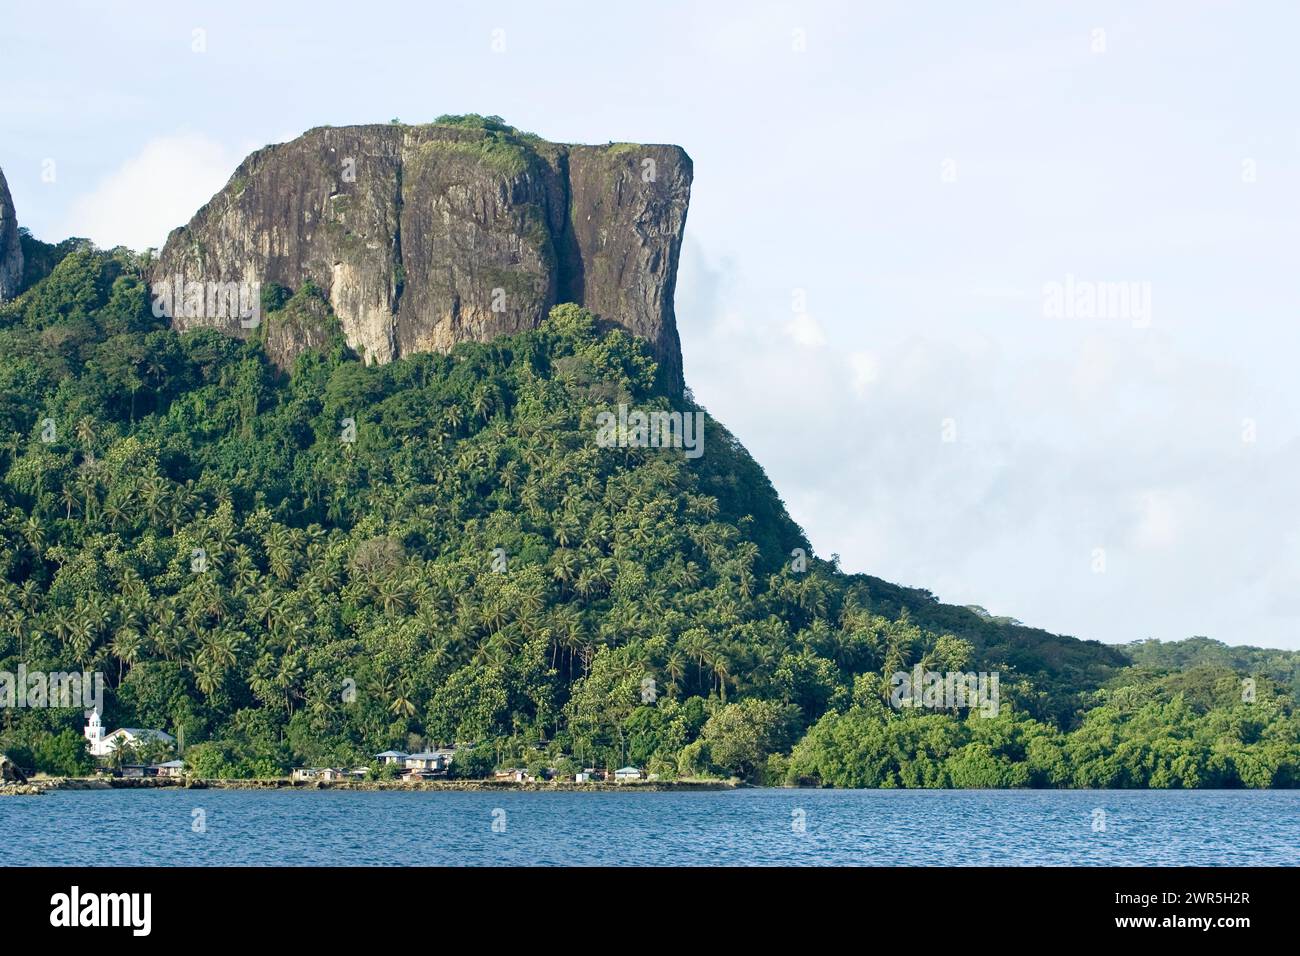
[865,368]
[806,331]
[153,192]
[1107,438]
[1161,520]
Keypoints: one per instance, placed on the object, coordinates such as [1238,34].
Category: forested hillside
[308,567]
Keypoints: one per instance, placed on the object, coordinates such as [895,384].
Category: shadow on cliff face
[572,278]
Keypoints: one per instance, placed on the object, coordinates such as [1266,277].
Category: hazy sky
[884,195]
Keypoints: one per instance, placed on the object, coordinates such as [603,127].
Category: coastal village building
[330,774]
[172,768]
[434,760]
[103,745]
[307,774]
[435,764]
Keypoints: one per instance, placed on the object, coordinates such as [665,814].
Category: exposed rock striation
[425,236]
[11,250]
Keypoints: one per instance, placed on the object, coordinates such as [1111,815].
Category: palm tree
[63,622]
[154,492]
[494,613]
[454,417]
[402,705]
[321,705]
[722,671]
[81,637]
[393,597]
[84,431]
[565,565]
[268,607]
[279,552]
[483,403]
[675,666]
[88,485]
[120,754]
[114,513]
[288,678]
[291,631]
[126,647]
[69,498]
[34,535]
[155,370]
[247,573]
[218,650]
[510,475]
[207,677]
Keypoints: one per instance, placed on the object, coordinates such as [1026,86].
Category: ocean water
[741,827]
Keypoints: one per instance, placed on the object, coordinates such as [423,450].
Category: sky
[1003,296]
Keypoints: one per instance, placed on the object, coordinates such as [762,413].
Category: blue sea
[734,828]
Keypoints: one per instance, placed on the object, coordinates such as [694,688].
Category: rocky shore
[21,790]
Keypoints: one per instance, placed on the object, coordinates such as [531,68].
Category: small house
[307,773]
[627,773]
[172,768]
[397,757]
[435,760]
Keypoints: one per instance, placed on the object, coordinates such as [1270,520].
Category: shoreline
[45,785]
[55,784]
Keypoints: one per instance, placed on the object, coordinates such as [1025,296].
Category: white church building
[101,744]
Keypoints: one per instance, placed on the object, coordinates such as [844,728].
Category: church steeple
[95,733]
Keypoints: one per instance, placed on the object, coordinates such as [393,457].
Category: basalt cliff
[463,229]
[11,253]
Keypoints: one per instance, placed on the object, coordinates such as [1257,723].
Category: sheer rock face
[425,236]
[11,252]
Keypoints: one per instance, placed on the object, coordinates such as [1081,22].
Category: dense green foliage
[200,526]
[1185,729]
[1277,665]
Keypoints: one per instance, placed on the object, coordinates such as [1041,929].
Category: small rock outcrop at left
[10,772]
[11,250]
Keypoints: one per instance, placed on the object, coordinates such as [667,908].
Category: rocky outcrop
[11,250]
[10,772]
[425,236]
